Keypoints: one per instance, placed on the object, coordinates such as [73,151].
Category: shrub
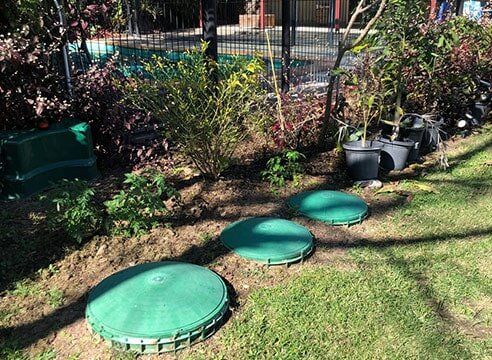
[206,118]
[73,209]
[38,14]
[451,56]
[430,67]
[97,100]
[297,123]
[285,166]
[31,89]
[396,29]
[140,206]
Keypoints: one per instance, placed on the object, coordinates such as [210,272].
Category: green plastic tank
[33,160]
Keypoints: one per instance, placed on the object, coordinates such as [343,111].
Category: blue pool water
[131,57]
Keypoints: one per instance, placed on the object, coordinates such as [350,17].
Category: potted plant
[395,153]
[363,155]
[481,106]
[252,16]
[413,128]
[396,148]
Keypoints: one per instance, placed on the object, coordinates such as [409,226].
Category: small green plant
[25,288]
[51,270]
[56,297]
[139,206]
[286,166]
[73,210]
[7,314]
[207,237]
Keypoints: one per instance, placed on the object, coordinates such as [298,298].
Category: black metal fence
[302,35]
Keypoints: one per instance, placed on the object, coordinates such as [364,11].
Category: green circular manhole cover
[334,207]
[268,240]
[157,307]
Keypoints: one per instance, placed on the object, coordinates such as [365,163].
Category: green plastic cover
[157,307]
[268,240]
[33,160]
[334,207]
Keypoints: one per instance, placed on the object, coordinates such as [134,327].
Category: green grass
[429,297]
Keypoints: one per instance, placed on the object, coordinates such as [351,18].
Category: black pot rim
[405,143]
[356,145]
[414,128]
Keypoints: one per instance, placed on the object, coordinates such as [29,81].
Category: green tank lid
[268,240]
[157,307]
[334,207]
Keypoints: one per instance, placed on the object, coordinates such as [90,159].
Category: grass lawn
[417,285]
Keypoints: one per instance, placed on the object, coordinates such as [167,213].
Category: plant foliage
[73,209]
[286,166]
[141,205]
[98,101]
[31,88]
[203,106]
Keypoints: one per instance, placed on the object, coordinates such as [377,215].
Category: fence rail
[304,34]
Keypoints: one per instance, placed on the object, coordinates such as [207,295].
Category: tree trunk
[329,96]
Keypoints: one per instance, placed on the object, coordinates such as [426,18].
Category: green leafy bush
[203,106]
[74,210]
[286,166]
[426,66]
[141,205]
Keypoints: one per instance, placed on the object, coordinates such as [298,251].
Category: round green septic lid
[334,207]
[157,307]
[268,240]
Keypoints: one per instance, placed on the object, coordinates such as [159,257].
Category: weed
[283,167]
[47,354]
[207,237]
[56,297]
[141,205]
[74,210]
[25,288]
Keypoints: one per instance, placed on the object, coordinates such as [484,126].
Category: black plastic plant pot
[415,134]
[479,111]
[430,140]
[363,161]
[394,154]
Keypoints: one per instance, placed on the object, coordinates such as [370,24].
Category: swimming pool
[131,58]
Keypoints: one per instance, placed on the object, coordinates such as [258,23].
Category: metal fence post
[209,21]
[294,22]
[286,22]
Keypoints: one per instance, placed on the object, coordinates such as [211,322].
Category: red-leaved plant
[31,87]
[298,121]
[122,135]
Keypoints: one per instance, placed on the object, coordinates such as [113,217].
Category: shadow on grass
[387,242]
[446,320]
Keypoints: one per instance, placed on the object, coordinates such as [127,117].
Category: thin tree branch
[370,24]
